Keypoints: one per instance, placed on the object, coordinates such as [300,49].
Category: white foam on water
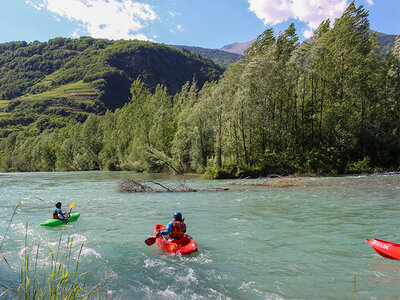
[70,241]
[153,281]
[89,252]
[21,229]
[190,277]
[110,276]
[167,270]
[270,296]
[150,263]
[192,295]
[218,295]
[245,285]
[21,252]
[195,296]
[203,258]
[75,239]
[168,293]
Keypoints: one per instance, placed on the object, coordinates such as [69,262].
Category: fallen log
[143,186]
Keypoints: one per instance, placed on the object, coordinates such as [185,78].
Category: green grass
[75,99]
[4,103]
[75,89]
[59,280]
[68,109]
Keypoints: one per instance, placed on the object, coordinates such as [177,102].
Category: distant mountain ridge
[237,48]
[386,41]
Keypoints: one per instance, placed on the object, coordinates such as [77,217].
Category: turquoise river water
[255,242]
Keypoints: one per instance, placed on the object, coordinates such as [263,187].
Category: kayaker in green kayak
[175,229]
[58,214]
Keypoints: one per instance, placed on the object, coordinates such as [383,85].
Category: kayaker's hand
[158,232]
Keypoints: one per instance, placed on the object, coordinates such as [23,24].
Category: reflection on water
[382,267]
[304,241]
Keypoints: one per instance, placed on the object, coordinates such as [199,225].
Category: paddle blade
[72,205]
[150,241]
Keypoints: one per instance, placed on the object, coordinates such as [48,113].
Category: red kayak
[184,245]
[385,248]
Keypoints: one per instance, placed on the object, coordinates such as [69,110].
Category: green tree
[261,44]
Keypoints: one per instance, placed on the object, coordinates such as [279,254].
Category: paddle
[71,206]
[150,241]
[70,209]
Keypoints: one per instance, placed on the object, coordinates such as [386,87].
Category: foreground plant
[56,279]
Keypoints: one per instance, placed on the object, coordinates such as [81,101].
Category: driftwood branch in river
[142,186]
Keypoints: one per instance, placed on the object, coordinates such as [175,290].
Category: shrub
[361,166]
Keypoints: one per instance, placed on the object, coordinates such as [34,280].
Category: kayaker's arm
[167,230]
[60,214]
[64,216]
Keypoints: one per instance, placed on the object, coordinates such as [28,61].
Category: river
[255,242]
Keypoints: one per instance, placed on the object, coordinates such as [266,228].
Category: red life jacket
[55,214]
[178,230]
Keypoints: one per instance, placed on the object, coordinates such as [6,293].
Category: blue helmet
[178,216]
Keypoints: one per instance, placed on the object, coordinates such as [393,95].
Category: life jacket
[55,215]
[178,230]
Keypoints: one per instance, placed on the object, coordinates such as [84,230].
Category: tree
[261,44]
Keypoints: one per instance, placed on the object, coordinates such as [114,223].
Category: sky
[202,23]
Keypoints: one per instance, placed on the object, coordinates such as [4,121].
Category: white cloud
[311,12]
[370,2]
[37,6]
[111,19]
[307,33]
[179,27]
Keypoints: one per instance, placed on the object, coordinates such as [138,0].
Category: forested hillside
[386,41]
[77,77]
[221,57]
[331,105]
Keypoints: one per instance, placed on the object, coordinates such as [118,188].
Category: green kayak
[57,222]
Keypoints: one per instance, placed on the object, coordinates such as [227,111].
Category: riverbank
[247,172]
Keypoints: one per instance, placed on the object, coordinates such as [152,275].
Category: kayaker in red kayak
[175,229]
[58,214]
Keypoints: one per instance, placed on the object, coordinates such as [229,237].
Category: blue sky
[202,23]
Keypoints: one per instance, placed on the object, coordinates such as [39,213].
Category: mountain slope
[221,57]
[24,67]
[73,78]
[386,41]
[237,48]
